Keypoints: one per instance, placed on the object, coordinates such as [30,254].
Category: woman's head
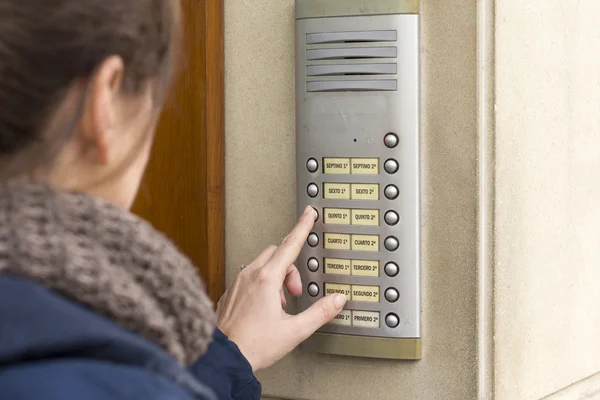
[82,84]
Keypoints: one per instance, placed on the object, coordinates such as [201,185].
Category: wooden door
[182,193]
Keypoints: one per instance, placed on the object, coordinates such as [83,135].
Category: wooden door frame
[183,193]
[215,145]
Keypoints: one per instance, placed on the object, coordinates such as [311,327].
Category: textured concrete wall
[547,273]
[547,213]
[260,184]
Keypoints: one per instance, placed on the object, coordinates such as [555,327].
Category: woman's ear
[100,118]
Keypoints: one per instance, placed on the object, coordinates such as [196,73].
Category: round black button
[391,166]
[390,140]
[391,320]
[392,295]
[391,192]
[313,264]
[391,269]
[313,289]
[312,190]
[391,218]
[391,243]
[313,240]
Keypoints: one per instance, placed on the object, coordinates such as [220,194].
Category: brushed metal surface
[354,124]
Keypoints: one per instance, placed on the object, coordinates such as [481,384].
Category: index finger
[286,254]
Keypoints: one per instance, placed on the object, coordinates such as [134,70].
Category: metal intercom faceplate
[357,151]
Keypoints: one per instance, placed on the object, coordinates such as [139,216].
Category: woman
[94,304]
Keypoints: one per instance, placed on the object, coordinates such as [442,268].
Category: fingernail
[339,300]
[307,210]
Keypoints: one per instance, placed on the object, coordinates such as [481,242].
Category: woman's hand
[251,313]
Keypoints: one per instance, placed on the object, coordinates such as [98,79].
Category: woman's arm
[226,371]
[251,312]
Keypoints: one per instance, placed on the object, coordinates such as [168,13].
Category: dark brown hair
[48,47]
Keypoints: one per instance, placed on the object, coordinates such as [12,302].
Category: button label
[365,242]
[338,216]
[365,268]
[336,165]
[365,217]
[365,166]
[368,294]
[337,266]
[337,241]
[367,319]
[331,288]
[339,191]
[365,191]
[343,318]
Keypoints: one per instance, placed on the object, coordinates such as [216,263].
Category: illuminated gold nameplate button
[337,241]
[337,266]
[365,217]
[336,165]
[365,191]
[338,191]
[343,318]
[365,242]
[337,216]
[331,288]
[367,319]
[365,166]
[365,268]
[368,294]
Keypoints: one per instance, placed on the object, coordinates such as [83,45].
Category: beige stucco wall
[547,302]
[260,184]
[546,244]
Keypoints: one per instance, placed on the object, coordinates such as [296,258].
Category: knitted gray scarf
[105,258]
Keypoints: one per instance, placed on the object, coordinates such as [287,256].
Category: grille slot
[351,69]
[352,86]
[351,53]
[351,37]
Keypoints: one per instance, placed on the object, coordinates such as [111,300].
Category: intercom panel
[357,152]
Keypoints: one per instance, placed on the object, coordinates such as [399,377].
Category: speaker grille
[351,61]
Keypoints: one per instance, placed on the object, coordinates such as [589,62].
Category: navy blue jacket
[55,349]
